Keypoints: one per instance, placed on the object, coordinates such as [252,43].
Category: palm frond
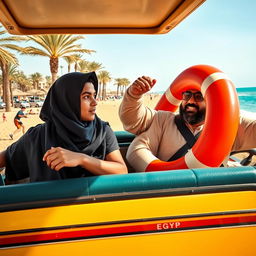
[30,50]
[74,50]
[13,39]
[43,41]
[12,47]
[6,57]
[69,40]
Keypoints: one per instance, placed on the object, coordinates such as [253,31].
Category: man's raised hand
[142,85]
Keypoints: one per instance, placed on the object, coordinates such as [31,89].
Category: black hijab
[61,112]
[63,127]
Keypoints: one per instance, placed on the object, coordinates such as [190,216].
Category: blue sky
[221,33]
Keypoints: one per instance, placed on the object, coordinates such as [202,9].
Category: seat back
[124,140]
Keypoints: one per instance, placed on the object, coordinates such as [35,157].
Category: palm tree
[118,83]
[36,78]
[125,83]
[121,83]
[23,82]
[54,47]
[87,66]
[48,81]
[6,58]
[94,66]
[83,66]
[72,59]
[104,78]
[12,73]
[77,59]
[69,61]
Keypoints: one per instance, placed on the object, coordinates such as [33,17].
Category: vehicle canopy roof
[94,16]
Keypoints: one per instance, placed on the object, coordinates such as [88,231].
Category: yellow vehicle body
[204,220]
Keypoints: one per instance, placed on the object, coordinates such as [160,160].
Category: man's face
[192,107]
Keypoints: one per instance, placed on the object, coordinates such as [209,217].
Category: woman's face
[88,102]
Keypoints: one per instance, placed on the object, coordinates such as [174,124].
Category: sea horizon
[247,100]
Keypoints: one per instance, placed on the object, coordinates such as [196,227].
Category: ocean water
[247,100]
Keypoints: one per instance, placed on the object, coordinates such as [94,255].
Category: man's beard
[192,118]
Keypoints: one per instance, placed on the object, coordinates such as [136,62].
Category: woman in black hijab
[73,142]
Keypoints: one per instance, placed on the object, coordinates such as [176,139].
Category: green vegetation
[53,47]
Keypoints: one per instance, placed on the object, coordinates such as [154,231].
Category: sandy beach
[106,110]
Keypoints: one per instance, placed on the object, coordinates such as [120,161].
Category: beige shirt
[159,137]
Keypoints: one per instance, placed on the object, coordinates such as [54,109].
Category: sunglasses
[187,95]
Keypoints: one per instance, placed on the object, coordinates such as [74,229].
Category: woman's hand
[141,85]
[57,158]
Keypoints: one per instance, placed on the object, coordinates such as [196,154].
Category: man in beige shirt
[158,135]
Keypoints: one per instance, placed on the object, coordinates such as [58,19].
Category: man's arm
[246,135]
[135,117]
[145,148]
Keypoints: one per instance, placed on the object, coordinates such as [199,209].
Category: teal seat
[111,185]
[2,177]
[123,136]
[124,140]
[225,175]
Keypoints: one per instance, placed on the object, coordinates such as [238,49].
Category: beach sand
[106,110]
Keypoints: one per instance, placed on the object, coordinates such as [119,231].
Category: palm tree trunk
[11,93]
[6,86]
[4,94]
[117,90]
[99,91]
[54,65]
[104,92]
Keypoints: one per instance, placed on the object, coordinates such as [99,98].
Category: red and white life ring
[221,121]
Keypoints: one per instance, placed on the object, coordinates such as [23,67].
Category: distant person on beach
[18,123]
[159,135]
[31,112]
[4,117]
[72,142]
